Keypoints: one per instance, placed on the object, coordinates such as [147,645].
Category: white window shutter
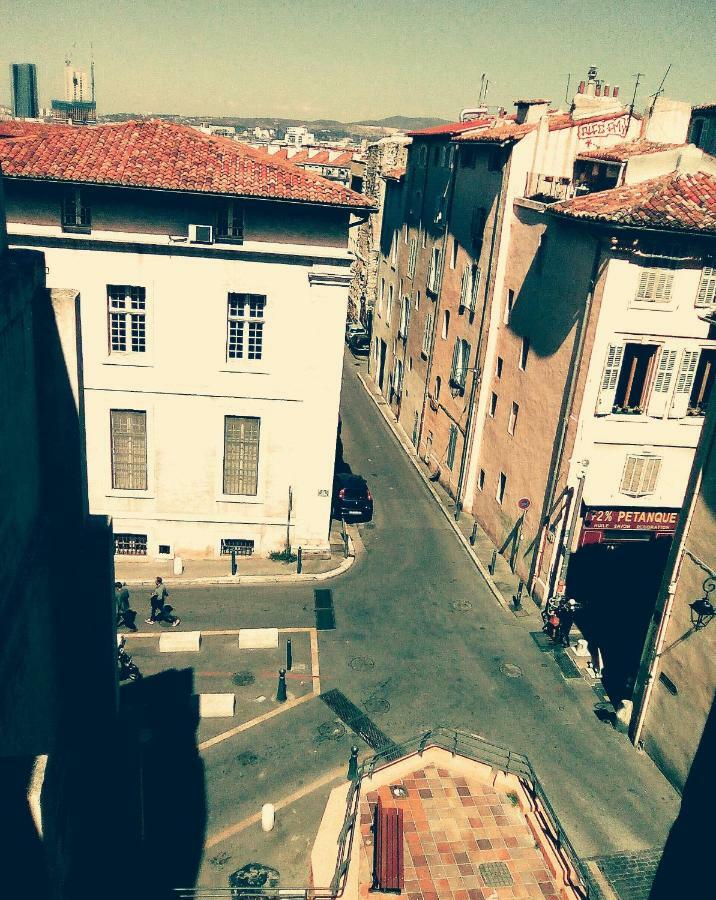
[662,382]
[684,384]
[474,290]
[455,360]
[610,377]
[464,286]
[706,295]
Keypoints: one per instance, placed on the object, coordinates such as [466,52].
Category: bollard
[517,599]
[268,816]
[281,692]
[289,655]
[345,545]
[233,562]
[353,764]
[299,561]
[493,563]
[473,534]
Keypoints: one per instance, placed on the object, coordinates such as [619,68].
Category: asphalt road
[407,649]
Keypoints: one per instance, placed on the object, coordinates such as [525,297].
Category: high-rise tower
[23,77]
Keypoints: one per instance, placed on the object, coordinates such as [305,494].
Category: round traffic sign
[524,504]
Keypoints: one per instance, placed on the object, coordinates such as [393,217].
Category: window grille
[245,326]
[129,449]
[76,212]
[241,455]
[706,295]
[655,285]
[127,311]
[640,474]
[130,545]
[242,546]
[230,224]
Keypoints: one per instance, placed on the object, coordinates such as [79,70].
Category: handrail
[455,742]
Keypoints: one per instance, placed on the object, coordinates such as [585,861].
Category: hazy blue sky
[354,59]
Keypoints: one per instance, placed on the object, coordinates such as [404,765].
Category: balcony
[552,188]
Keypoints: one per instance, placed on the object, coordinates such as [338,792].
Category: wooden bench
[388,868]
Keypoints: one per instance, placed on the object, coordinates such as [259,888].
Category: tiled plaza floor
[455,831]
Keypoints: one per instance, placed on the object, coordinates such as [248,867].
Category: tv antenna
[660,90]
[638,76]
[566,90]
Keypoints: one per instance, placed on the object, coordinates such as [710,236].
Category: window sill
[133,495]
[653,305]
[240,369]
[248,499]
[627,417]
[77,229]
[691,420]
[119,359]
[226,239]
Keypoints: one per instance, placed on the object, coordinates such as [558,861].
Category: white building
[299,136]
[213,285]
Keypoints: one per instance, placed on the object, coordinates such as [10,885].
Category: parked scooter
[126,667]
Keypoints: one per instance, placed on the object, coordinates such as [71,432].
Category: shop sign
[631,519]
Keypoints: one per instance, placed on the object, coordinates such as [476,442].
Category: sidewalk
[140,571]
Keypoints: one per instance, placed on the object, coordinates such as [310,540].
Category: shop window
[640,474]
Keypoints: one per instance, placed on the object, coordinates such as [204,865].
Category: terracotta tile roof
[673,202]
[394,174]
[704,107]
[508,131]
[622,152]
[450,128]
[164,156]
[305,157]
[565,120]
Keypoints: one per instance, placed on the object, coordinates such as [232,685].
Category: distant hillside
[402,123]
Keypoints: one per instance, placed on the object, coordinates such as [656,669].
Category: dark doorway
[381,365]
[616,582]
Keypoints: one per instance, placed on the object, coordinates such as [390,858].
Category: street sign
[524,504]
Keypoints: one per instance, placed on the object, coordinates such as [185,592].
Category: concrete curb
[410,452]
[238,580]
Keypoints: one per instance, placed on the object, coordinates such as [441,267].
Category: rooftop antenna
[660,91]
[566,90]
[484,98]
[92,68]
[482,87]
[638,76]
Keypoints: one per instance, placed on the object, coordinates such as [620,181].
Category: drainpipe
[499,218]
[574,518]
[571,389]
[443,254]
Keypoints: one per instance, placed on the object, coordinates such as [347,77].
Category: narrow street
[419,642]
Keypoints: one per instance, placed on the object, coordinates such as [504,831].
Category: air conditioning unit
[201,234]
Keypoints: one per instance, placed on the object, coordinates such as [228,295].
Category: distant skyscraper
[79,106]
[24,90]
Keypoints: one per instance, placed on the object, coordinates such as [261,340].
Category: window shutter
[640,475]
[464,285]
[655,285]
[455,360]
[465,364]
[662,382]
[610,377]
[706,295]
[475,288]
[684,384]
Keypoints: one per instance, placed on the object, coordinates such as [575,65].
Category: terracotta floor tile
[475,894]
[466,869]
[484,844]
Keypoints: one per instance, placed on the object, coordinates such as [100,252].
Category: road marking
[228,631]
[281,804]
[225,735]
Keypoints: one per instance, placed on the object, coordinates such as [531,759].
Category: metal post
[281,692]
[493,563]
[353,764]
[473,534]
[233,562]
[517,599]
[289,655]
[299,561]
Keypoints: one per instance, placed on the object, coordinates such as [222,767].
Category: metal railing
[550,188]
[458,743]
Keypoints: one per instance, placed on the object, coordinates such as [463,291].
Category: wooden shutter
[465,362]
[640,475]
[662,382]
[455,360]
[684,384]
[464,286]
[610,377]
[475,287]
[655,285]
[706,295]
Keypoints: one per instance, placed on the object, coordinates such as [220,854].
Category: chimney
[615,92]
[580,89]
[529,111]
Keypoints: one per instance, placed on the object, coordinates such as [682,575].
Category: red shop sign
[631,519]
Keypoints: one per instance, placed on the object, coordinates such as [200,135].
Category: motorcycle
[126,667]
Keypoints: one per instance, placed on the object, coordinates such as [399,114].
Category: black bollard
[233,562]
[353,764]
[493,563]
[473,535]
[289,655]
[517,599]
[299,561]
[281,692]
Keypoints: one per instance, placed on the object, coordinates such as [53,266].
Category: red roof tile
[674,202]
[704,107]
[565,120]
[394,174]
[499,133]
[622,152]
[164,156]
[450,128]
[319,157]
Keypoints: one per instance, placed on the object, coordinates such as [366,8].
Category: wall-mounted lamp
[702,610]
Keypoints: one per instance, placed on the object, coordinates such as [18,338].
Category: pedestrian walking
[160,611]
[125,615]
[566,620]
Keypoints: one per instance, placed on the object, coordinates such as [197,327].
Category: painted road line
[225,735]
[220,836]
[228,631]
[315,671]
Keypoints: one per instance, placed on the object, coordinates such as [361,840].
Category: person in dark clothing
[158,604]
[125,615]
[566,620]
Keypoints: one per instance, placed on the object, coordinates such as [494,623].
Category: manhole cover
[495,874]
[361,663]
[330,731]
[461,605]
[511,671]
[246,758]
[243,678]
[375,705]
[397,790]
[254,875]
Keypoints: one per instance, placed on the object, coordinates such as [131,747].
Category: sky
[356,59]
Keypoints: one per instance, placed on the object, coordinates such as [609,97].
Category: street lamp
[702,610]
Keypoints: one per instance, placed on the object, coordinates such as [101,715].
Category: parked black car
[351,498]
[359,343]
